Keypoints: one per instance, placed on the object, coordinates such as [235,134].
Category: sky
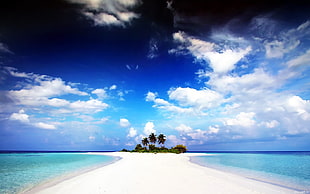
[103,74]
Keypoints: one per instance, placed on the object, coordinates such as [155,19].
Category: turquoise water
[19,171]
[287,169]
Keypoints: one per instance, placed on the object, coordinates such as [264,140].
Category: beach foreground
[146,173]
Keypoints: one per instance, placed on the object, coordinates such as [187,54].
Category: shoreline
[64,177]
[164,173]
[255,177]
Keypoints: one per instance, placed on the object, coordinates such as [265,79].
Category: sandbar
[147,173]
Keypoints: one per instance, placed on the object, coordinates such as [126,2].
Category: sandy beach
[147,173]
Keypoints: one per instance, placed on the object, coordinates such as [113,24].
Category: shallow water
[19,171]
[287,169]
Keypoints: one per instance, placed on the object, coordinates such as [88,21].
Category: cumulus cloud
[255,82]
[271,124]
[199,99]
[43,90]
[53,103]
[150,96]
[299,106]
[109,12]
[167,106]
[175,140]
[242,119]
[113,87]
[47,88]
[20,116]
[214,129]
[149,128]
[225,61]
[24,118]
[101,93]
[188,101]
[132,132]
[196,136]
[124,122]
[253,99]
[220,59]
[184,128]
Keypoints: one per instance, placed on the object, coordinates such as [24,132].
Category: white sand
[138,173]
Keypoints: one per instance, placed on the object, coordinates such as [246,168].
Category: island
[149,145]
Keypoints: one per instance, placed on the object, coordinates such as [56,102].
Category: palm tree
[153,138]
[161,139]
[145,141]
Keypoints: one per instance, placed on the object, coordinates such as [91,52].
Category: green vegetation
[149,145]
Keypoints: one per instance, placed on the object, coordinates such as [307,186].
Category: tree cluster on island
[149,145]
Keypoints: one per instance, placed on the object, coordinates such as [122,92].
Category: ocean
[22,171]
[286,169]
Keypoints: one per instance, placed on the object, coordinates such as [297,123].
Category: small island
[149,145]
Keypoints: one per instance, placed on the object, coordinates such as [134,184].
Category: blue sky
[103,74]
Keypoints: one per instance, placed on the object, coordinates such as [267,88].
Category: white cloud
[132,132]
[199,135]
[300,60]
[149,128]
[56,102]
[165,105]
[175,140]
[242,119]
[189,100]
[184,128]
[271,124]
[286,41]
[124,123]
[102,120]
[44,125]
[90,106]
[251,83]
[298,105]
[20,116]
[161,102]
[103,19]
[179,37]
[221,60]
[24,118]
[113,87]
[109,12]
[199,99]
[150,96]
[121,95]
[276,49]
[214,129]
[101,93]
[258,99]
[225,61]
[47,87]
[45,91]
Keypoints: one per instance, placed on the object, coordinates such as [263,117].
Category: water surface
[286,169]
[19,171]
